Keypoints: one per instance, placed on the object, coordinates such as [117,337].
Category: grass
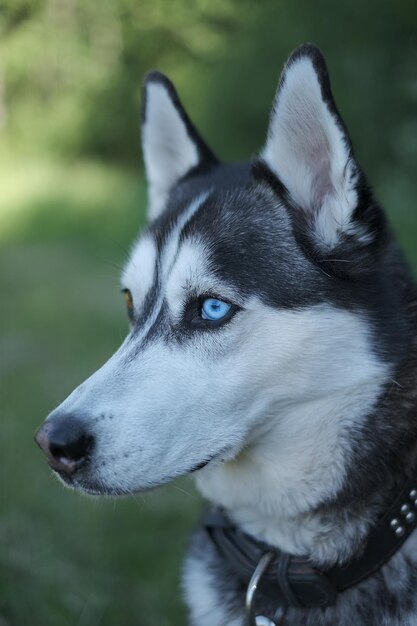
[67,560]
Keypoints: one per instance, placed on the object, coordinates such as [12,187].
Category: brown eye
[129,302]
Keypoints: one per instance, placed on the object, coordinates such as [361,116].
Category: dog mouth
[96,487]
[218,457]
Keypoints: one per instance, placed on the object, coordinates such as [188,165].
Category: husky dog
[272,353]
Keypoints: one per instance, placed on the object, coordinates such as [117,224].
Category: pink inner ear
[321,182]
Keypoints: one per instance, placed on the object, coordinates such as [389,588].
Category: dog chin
[96,487]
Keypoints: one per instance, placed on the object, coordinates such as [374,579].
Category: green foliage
[70,70]
[74,68]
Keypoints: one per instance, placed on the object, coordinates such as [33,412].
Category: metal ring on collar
[251,618]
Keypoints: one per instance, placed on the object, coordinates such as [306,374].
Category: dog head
[253,291]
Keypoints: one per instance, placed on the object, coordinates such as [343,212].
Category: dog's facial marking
[187,277]
[172,236]
[150,266]
[191,282]
[139,274]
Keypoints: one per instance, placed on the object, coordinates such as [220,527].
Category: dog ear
[310,152]
[171,145]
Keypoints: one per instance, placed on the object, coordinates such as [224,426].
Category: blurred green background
[72,198]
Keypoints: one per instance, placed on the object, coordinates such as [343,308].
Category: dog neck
[286,488]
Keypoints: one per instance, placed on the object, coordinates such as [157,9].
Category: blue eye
[213,309]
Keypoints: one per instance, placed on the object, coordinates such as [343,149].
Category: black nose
[65,442]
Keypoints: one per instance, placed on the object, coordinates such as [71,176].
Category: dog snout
[65,442]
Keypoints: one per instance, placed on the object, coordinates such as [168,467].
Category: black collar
[292,580]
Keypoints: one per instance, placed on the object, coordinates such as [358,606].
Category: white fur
[191,274]
[319,373]
[307,150]
[168,151]
[171,248]
[208,607]
[139,274]
[189,269]
[140,270]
